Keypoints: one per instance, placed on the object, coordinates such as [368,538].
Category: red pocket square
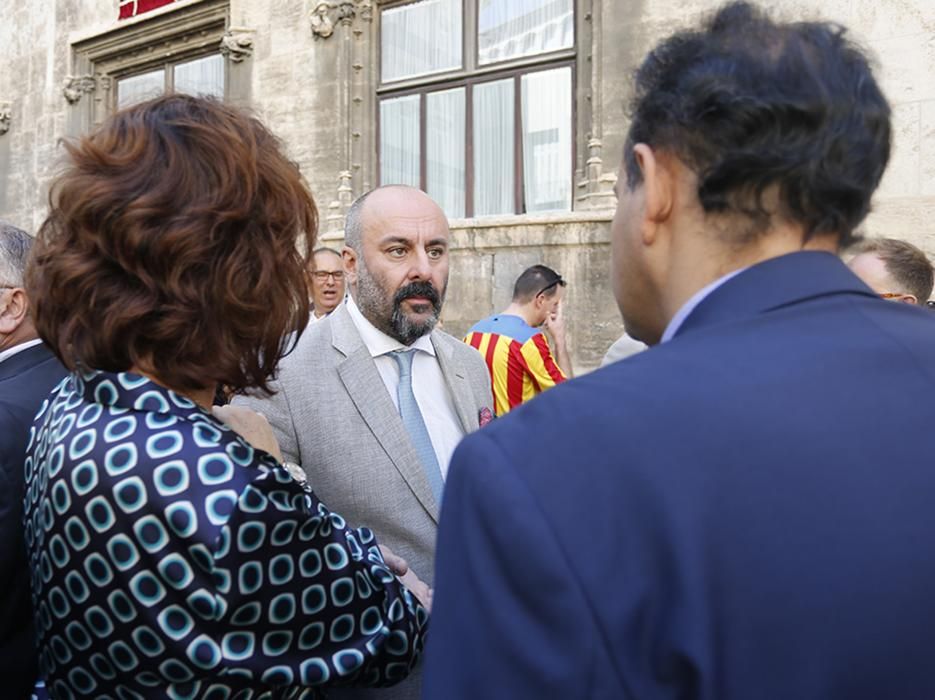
[485,416]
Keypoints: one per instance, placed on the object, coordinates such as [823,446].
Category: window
[179,48]
[200,76]
[476,103]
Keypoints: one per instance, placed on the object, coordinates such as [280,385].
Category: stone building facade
[321,74]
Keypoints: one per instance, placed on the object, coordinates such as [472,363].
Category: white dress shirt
[428,384]
[9,352]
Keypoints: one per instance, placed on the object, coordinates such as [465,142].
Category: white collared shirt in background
[9,352]
[428,384]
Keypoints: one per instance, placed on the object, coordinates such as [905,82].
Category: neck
[523,311]
[696,265]
[23,334]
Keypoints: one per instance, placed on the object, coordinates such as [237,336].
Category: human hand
[251,426]
[396,563]
[418,588]
[555,323]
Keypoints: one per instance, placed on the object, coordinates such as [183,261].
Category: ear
[658,190]
[349,256]
[13,311]
[909,299]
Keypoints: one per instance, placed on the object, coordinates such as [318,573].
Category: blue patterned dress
[170,559]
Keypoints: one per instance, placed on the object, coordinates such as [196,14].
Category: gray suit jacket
[333,415]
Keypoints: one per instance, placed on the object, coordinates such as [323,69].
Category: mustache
[418,289]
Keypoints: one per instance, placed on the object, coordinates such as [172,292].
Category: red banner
[132,8]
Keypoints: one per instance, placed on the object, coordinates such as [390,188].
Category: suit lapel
[365,386]
[457,383]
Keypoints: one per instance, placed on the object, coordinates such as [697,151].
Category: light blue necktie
[415,425]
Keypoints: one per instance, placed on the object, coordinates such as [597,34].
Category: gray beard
[384,313]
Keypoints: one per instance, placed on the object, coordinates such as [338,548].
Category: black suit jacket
[26,379]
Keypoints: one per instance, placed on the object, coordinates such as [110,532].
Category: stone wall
[900,35]
[309,69]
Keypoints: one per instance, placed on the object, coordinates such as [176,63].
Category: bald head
[387,200]
[396,250]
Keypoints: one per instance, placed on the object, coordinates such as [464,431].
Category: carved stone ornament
[77,85]
[237,44]
[6,116]
[327,13]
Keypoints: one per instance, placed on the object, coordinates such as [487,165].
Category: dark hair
[534,281]
[15,245]
[171,246]
[908,265]
[752,105]
[353,224]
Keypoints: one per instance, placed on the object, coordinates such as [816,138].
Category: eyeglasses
[558,282]
[890,295]
[322,275]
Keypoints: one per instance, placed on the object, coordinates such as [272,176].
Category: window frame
[470,74]
[172,34]
[167,64]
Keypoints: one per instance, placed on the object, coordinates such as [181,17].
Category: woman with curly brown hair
[172,553]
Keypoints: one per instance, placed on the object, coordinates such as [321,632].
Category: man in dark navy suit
[28,372]
[743,512]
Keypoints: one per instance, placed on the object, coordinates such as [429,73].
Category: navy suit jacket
[742,513]
[26,379]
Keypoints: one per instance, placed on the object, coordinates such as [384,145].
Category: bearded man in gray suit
[373,400]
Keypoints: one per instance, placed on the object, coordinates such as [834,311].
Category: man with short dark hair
[326,282]
[517,353]
[28,372]
[744,510]
[894,269]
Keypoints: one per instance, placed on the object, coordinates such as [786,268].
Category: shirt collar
[9,352]
[379,343]
[132,392]
[692,304]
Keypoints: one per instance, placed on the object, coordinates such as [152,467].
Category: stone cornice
[6,116]
[77,85]
[326,14]
[237,44]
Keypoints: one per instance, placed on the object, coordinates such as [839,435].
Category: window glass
[512,28]
[420,38]
[493,148]
[546,99]
[444,149]
[138,88]
[203,76]
[399,141]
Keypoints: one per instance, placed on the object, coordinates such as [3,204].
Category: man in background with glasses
[326,282]
[28,372]
[894,269]
[518,355]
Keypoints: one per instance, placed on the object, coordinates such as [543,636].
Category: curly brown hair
[171,246]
